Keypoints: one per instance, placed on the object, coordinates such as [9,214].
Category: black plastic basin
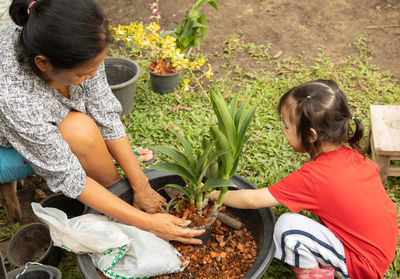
[259,221]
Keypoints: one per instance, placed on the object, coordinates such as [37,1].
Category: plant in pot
[220,157]
[167,60]
[192,167]
[168,50]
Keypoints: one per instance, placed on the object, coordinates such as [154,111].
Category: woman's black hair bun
[19,11]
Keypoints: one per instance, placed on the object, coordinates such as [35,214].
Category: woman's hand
[149,200]
[169,227]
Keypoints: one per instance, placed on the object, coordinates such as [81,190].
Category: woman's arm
[247,199]
[145,197]
[163,225]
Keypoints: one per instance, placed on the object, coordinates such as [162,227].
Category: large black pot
[260,222]
[71,207]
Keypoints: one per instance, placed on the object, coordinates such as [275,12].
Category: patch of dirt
[229,254]
[290,27]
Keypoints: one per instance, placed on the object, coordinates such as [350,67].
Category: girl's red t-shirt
[345,190]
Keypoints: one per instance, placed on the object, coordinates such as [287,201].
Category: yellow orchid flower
[209,73]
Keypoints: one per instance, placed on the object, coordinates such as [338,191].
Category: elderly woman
[59,118]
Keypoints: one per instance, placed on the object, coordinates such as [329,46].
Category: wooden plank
[9,201]
[385,127]
[393,171]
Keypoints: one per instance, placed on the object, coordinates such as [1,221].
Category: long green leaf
[239,114]
[188,192]
[174,169]
[188,150]
[174,154]
[222,143]
[202,160]
[232,106]
[224,118]
[212,159]
[201,2]
[217,183]
[248,116]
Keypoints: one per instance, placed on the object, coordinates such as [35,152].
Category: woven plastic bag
[118,250]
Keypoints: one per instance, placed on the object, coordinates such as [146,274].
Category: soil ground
[289,27]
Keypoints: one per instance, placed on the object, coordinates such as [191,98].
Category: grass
[251,69]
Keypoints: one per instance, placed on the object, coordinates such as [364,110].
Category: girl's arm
[247,199]
[145,197]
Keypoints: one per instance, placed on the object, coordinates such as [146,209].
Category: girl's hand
[147,199]
[169,227]
[214,195]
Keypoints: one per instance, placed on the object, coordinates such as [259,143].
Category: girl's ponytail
[354,140]
[19,11]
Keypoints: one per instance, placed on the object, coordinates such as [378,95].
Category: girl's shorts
[13,166]
[304,243]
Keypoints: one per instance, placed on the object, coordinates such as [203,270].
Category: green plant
[230,133]
[193,28]
[191,167]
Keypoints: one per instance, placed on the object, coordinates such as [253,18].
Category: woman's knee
[79,130]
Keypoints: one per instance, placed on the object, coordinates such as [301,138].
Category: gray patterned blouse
[31,110]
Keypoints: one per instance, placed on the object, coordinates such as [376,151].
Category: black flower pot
[204,237]
[32,243]
[69,206]
[35,272]
[122,74]
[164,83]
[260,222]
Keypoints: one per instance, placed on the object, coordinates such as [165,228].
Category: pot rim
[114,60]
[158,75]
[18,234]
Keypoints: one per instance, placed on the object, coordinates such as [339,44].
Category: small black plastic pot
[35,272]
[69,206]
[204,237]
[259,221]
[32,243]
[163,83]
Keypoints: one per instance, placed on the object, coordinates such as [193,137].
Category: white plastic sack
[116,249]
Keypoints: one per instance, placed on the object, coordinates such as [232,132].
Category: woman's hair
[322,106]
[67,32]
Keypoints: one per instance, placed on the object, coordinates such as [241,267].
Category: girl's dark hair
[322,106]
[67,32]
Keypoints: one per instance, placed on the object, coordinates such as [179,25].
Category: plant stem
[219,201]
[199,203]
[206,198]
[198,82]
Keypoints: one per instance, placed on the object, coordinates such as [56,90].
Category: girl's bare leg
[86,142]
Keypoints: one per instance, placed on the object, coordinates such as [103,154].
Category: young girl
[59,116]
[359,230]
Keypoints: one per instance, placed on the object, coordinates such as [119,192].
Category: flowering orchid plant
[167,57]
